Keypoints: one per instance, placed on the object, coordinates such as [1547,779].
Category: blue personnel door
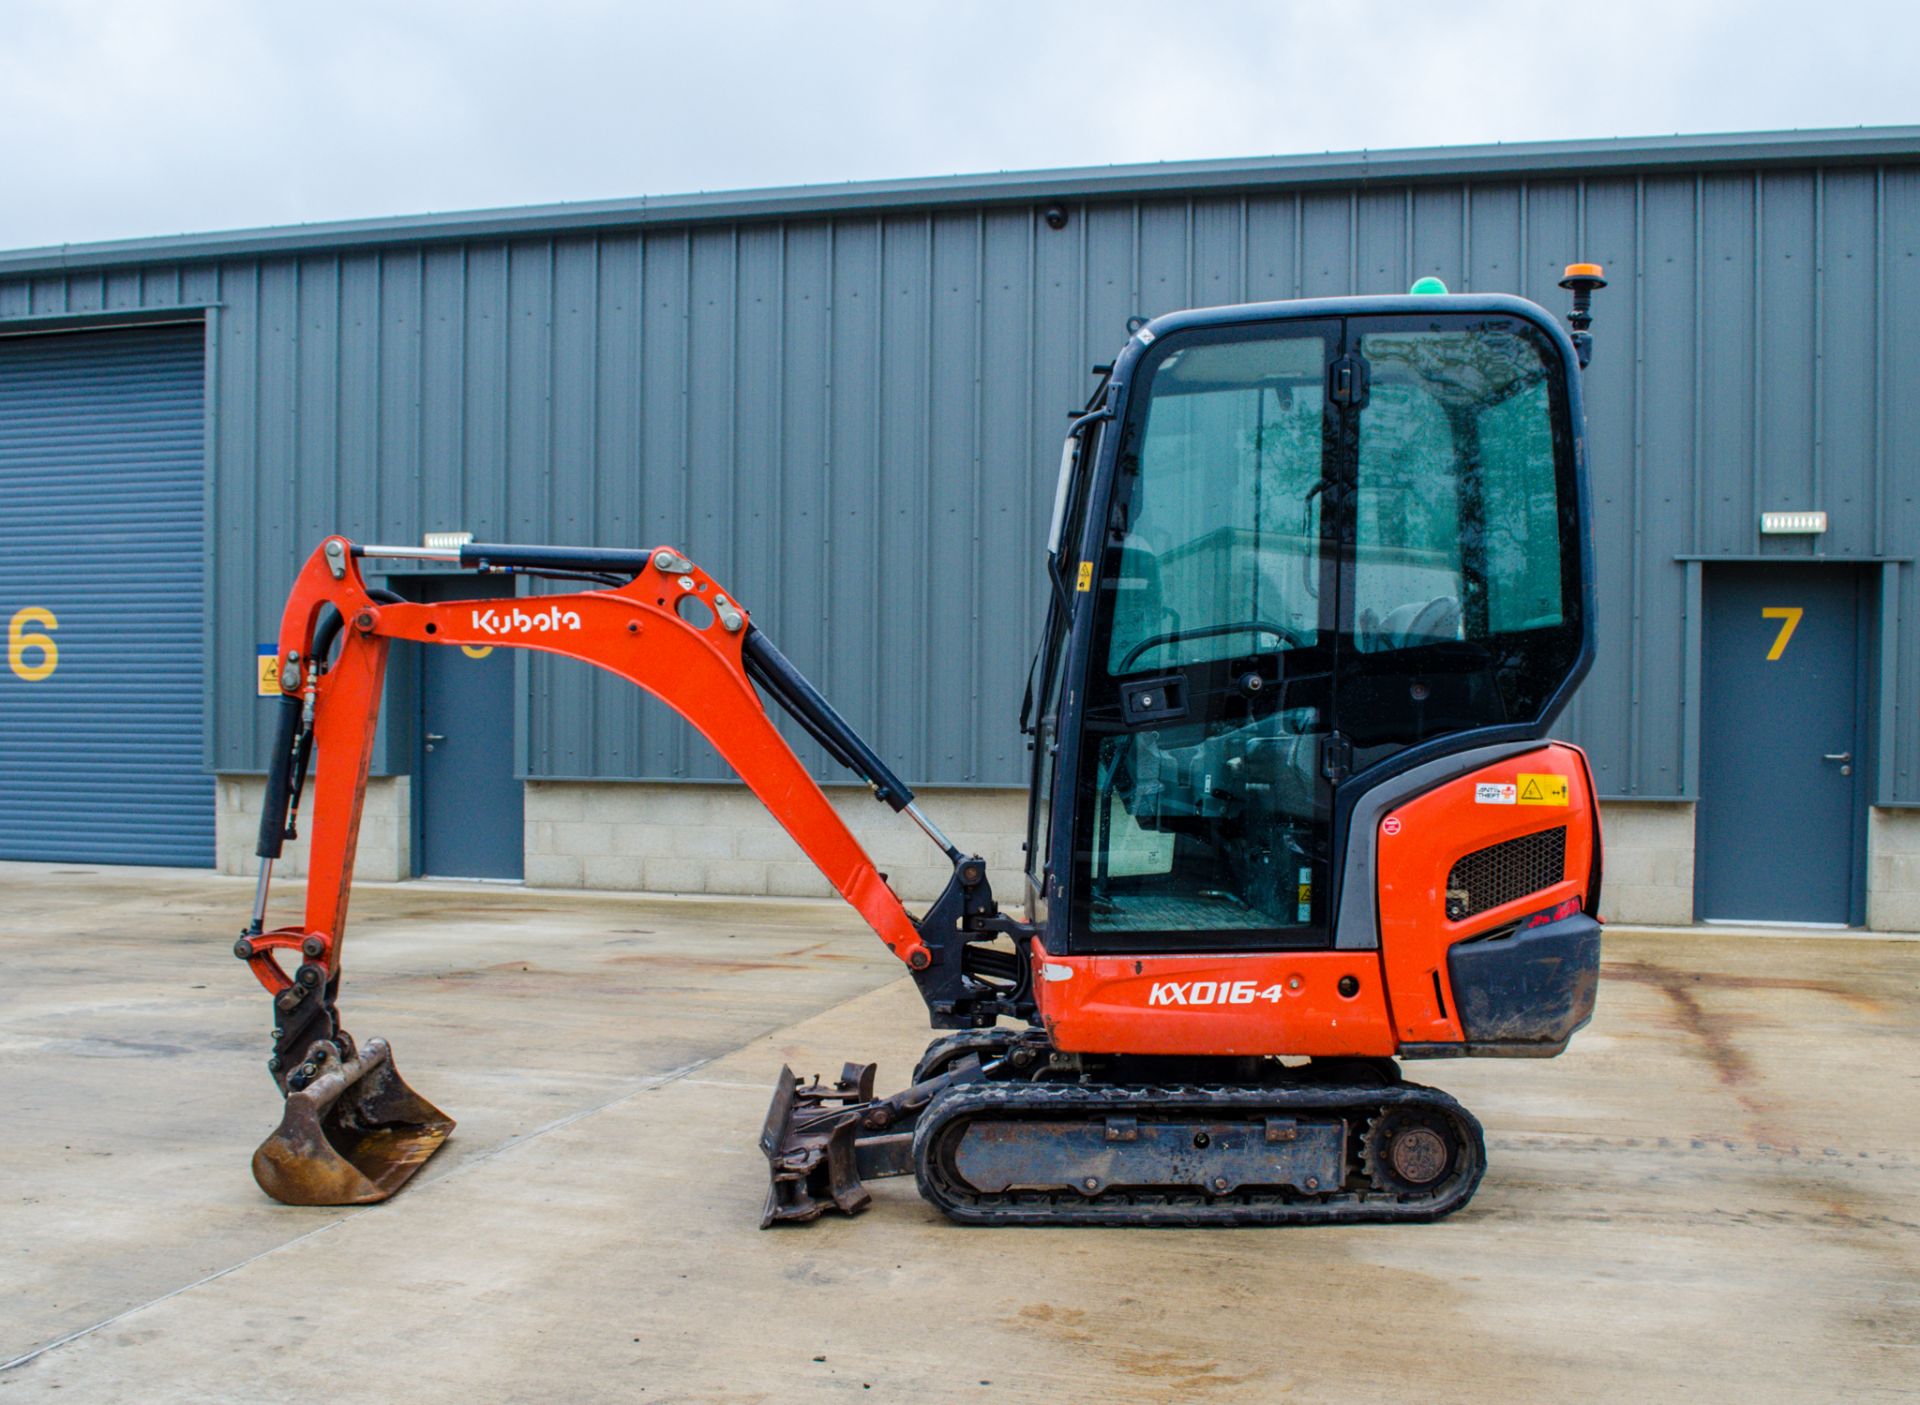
[472,805]
[1781,825]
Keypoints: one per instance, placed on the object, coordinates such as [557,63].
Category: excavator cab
[1321,581]
[1302,548]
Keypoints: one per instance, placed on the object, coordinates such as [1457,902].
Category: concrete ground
[1715,1192]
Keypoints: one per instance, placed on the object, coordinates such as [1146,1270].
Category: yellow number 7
[1790,615]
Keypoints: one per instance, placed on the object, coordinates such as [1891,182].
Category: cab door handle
[1838,756]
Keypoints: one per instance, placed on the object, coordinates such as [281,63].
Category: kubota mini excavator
[1321,581]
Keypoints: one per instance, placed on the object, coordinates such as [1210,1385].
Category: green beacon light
[1426,285]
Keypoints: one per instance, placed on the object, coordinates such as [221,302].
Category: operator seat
[1431,622]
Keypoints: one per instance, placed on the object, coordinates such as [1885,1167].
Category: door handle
[1838,756]
[433,737]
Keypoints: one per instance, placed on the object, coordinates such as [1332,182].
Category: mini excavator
[1320,583]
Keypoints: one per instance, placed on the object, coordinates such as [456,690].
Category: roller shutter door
[101,557]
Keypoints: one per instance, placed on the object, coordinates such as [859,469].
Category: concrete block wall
[386,830]
[718,839]
[1648,870]
[1893,870]
[684,838]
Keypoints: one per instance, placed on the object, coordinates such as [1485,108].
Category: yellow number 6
[1789,615]
[20,640]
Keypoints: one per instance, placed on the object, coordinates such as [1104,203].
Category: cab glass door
[1202,817]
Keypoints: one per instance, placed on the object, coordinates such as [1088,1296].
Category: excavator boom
[661,623]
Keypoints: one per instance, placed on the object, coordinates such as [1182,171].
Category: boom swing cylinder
[1322,582]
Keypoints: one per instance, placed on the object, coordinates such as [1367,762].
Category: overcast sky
[122,118]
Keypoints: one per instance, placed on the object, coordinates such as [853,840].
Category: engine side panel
[1470,858]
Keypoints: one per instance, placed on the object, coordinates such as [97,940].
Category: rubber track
[1356,1202]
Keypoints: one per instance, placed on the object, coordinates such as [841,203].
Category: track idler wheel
[353,1134]
[1410,1151]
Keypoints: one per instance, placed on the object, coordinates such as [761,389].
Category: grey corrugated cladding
[846,402]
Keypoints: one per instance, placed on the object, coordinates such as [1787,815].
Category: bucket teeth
[354,1134]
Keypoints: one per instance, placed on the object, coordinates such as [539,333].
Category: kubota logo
[518,621]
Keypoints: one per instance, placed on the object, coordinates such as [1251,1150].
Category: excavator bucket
[355,1134]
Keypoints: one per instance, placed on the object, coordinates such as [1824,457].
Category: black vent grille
[1501,873]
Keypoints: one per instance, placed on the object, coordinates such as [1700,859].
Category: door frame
[1877,580]
[405,747]
[1077,763]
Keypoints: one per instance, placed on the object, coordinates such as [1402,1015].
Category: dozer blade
[809,1145]
[353,1135]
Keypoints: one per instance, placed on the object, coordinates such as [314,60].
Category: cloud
[129,117]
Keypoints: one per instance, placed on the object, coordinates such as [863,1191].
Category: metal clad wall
[853,419]
[101,491]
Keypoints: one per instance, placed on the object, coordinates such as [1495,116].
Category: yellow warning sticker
[269,665]
[1086,576]
[1541,790]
